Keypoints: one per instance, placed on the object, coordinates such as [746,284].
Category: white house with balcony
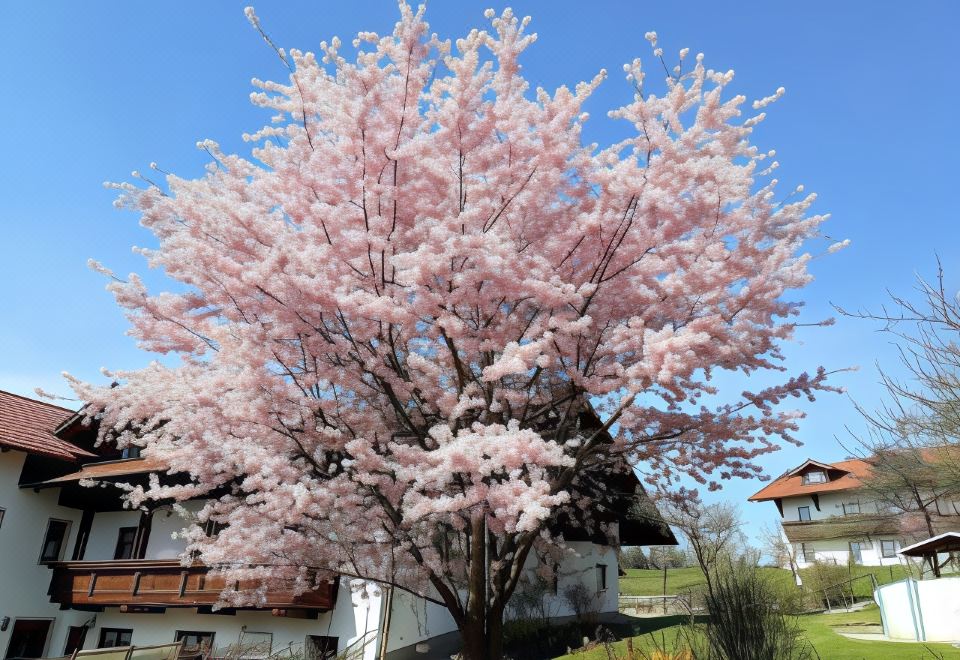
[80,571]
[828,516]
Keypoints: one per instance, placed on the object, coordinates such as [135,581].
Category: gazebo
[948,542]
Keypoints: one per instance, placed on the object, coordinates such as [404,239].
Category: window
[194,642]
[803,512]
[54,540]
[320,647]
[815,477]
[806,551]
[856,553]
[212,528]
[888,549]
[111,637]
[851,508]
[601,577]
[75,638]
[28,639]
[130,451]
[126,540]
[1,516]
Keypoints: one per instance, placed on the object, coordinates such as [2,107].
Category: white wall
[160,544]
[926,610]
[102,543]
[940,607]
[414,620]
[164,524]
[838,550]
[23,580]
[831,504]
[355,620]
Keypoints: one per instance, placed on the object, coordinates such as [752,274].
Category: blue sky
[95,90]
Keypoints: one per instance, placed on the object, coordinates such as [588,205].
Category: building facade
[81,571]
[828,516]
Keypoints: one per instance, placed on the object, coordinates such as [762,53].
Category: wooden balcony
[904,525]
[146,583]
[841,527]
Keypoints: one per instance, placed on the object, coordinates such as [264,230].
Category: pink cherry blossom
[393,317]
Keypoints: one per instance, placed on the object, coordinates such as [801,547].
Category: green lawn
[639,582]
[818,629]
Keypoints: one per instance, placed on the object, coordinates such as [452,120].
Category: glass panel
[112,637]
[28,638]
[855,552]
[804,512]
[125,541]
[851,508]
[320,647]
[54,540]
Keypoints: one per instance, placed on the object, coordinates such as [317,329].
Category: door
[28,638]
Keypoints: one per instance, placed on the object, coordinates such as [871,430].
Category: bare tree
[712,531]
[913,439]
[780,549]
[923,407]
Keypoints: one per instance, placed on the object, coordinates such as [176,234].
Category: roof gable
[810,463]
[27,425]
[845,475]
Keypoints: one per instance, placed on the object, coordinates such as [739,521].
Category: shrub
[747,620]
[581,600]
[825,580]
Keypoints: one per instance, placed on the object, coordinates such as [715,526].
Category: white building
[828,516]
[79,571]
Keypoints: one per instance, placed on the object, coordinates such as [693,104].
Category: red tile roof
[27,425]
[791,484]
[109,469]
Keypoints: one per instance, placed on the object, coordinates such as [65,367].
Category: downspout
[385,623]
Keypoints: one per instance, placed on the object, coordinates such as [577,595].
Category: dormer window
[815,477]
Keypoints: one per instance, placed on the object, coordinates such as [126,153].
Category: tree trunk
[482,626]
[483,639]
[929,520]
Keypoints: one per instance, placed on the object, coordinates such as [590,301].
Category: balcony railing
[840,527]
[162,583]
[911,524]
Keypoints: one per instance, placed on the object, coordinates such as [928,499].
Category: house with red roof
[827,515]
[35,527]
[80,570]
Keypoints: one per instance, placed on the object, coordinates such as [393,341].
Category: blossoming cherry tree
[396,320]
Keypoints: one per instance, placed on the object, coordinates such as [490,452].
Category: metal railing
[843,593]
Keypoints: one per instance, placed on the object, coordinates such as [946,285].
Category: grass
[819,630]
[639,582]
